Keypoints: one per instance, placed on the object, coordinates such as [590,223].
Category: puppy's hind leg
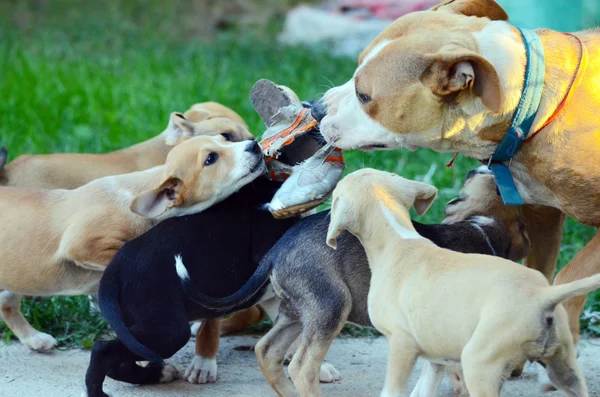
[270,353]
[10,306]
[485,363]
[105,356]
[203,369]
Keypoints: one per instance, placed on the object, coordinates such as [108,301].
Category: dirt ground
[360,361]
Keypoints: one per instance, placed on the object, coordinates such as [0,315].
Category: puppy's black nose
[253,147]
[318,110]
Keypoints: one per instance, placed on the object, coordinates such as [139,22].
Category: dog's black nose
[318,110]
[253,147]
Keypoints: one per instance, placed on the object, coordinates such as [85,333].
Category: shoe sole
[297,210]
[267,99]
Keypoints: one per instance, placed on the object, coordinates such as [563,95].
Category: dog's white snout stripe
[180,268]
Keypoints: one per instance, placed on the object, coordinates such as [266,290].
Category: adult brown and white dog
[450,79]
[58,242]
[486,312]
[72,170]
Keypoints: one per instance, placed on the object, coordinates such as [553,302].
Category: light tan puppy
[72,170]
[450,79]
[58,242]
[485,312]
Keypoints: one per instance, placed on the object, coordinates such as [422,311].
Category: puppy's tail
[109,306]
[246,292]
[556,294]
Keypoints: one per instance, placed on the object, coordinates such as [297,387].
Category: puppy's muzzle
[254,148]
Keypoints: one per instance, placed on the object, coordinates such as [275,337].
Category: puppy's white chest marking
[400,230]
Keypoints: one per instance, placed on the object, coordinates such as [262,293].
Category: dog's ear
[473,8]
[424,196]
[178,130]
[520,244]
[451,73]
[341,217]
[155,202]
[196,115]
[3,157]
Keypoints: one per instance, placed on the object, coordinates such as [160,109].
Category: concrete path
[360,361]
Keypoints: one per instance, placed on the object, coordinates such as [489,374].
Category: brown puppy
[72,170]
[58,242]
[485,312]
[450,79]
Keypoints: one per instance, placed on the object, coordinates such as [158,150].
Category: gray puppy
[321,289]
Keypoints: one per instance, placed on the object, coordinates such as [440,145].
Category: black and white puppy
[321,289]
[142,295]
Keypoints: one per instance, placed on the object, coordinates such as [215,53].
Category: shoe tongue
[298,151]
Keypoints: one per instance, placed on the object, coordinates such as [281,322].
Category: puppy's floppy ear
[459,70]
[178,130]
[196,115]
[520,243]
[340,218]
[155,202]
[473,8]
[424,196]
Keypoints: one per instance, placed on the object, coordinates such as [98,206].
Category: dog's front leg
[203,368]
[544,226]
[586,263]
[403,354]
[10,305]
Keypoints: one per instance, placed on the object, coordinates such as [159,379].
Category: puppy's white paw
[329,374]
[201,370]
[169,374]
[40,342]
[195,327]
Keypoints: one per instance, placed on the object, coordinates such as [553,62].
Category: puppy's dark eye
[455,201]
[211,158]
[363,98]
[228,136]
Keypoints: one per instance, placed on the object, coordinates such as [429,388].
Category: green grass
[72,82]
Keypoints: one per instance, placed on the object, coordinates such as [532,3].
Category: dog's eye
[227,136]
[455,201]
[211,158]
[363,98]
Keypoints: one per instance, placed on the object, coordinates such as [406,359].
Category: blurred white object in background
[348,26]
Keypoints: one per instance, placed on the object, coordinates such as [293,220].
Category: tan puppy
[72,170]
[58,242]
[486,312]
[450,79]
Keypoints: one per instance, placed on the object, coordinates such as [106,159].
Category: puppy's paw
[40,342]
[84,394]
[201,370]
[329,374]
[169,374]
